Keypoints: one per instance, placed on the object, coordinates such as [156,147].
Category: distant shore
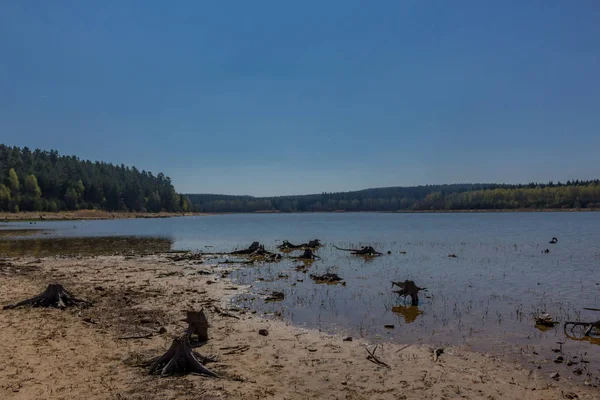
[85,214]
[489,210]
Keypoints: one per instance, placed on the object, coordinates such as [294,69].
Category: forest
[47,181]
[569,195]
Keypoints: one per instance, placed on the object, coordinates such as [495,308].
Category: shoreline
[473,211]
[107,215]
[86,215]
[81,353]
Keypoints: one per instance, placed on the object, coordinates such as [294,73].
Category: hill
[480,196]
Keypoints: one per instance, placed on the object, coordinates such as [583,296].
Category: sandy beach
[89,353]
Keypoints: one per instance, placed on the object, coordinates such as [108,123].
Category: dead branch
[588,325]
[373,358]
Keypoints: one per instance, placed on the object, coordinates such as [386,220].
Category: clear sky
[281,97]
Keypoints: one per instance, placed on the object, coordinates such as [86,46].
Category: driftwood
[180,359]
[197,325]
[364,251]
[588,326]
[55,296]
[408,288]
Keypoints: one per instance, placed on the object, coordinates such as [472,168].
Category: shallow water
[500,279]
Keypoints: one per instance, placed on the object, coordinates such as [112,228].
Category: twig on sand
[224,314]
[235,349]
[371,357]
[146,336]
[403,348]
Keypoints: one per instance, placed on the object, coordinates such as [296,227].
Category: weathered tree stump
[408,288]
[55,296]
[180,359]
[197,325]
[364,251]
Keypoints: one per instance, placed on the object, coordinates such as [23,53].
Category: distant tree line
[46,181]
[575,194]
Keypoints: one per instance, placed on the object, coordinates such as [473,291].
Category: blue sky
[276,97]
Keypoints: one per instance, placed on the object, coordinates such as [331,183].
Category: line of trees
[46,181]
[576,194]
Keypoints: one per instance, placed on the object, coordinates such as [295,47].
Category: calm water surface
[500,279]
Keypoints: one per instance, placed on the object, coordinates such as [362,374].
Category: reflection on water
[410,313]
[593,338]
[11,233]
[46,247]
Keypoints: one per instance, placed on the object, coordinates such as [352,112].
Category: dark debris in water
[329,278]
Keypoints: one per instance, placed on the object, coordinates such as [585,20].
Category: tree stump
[197,325]
[180,359]
[408,288]
[55,296]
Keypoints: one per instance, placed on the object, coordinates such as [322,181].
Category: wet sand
[78,353]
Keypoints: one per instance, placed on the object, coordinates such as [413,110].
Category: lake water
[500,279]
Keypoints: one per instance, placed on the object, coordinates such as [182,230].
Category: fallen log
[55,296]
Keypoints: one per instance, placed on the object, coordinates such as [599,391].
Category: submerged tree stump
[197,325]
[308,255]
[180,359]
[408,288]
[251,249]
[55,296]
[287,246]
[364,251]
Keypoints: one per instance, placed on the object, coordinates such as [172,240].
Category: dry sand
[53,354]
